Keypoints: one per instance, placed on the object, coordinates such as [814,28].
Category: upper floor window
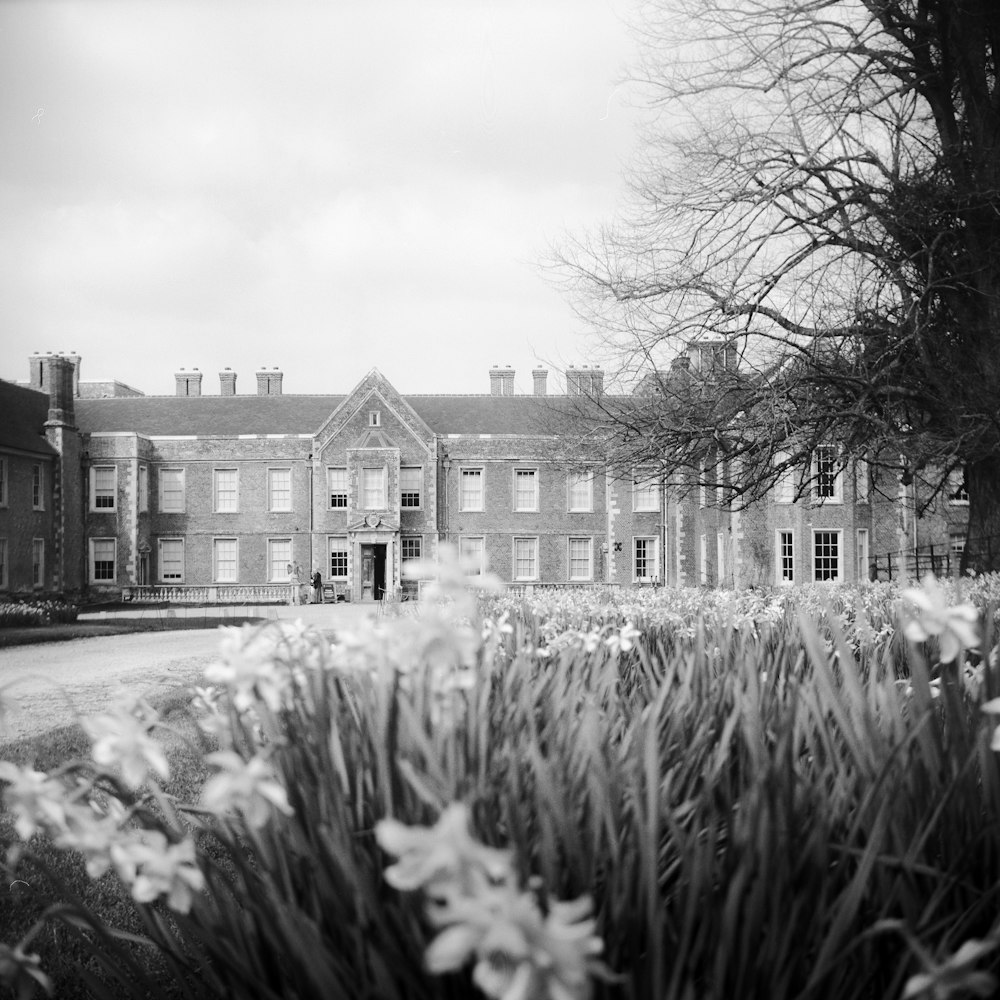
[37,488]
[373,488]
[103,488]
[279,489]
[827,477]
[143,489]
[645,492]
[374,418]
[226,490]
[3,482]
[172,492]
[581,491]
[336,481]
[958,491]
[411,480]
[862,484]
[472,490]
[526,489]
[784,487]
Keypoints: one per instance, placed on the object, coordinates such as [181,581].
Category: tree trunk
[982,543]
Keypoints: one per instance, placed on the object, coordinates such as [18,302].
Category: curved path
[54,682]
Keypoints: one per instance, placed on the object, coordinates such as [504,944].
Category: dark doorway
[372,572]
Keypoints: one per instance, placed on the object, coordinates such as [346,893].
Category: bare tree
[820,195]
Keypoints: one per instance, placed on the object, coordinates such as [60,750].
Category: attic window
[374,418]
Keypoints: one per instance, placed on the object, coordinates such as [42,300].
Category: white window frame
[276,572]
[957,491]
[784,561]
[4,564]
[648,489]
[576,481]
[162,476]
[837,486]
[104,491]
[861,554]
[334,472]
[92,565]
[404,539]
[143,489]
[589,542]
[275,500]
[415,472]
[522,474]
[37,565]
[38,486]
[839,576]
[531,542]
[217,492]
[473,557]
[655,560]
[374,418]
[476,473]
[4,480]
[160,561]
[338,544]
[216,575]
[366,489]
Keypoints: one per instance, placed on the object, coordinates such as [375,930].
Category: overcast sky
[324,187]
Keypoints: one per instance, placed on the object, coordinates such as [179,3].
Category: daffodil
[121,739]
[249,787]
[37,801]
[955,626]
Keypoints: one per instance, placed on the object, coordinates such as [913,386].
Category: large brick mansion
[105,490]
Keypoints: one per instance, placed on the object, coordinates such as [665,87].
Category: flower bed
[775,795]
[28,612]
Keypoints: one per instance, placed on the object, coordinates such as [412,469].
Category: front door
[372,572]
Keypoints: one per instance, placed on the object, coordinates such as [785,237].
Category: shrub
[36,612]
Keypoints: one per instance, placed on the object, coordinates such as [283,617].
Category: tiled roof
[23,413]
[290,414]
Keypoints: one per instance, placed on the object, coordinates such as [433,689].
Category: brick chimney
[573,381]
[507,381]
[269,382]
[597,381]
[496,381]
[227,382]
[188,383]
[58,376]
[539,376]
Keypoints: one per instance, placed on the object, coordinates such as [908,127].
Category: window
[172,491]
[525,558]
[785,555]
[279,489]
[102,560]
[784,486]
[472,552]
[958,491]
[410,549]
[37,494]
[3,482]
[826,475]
[581,491]
[646,562]
[103,488]
[226,489]
[472,489]
[581,559]
[336,481]
[172,560]
[862,482]
[279,560]
[143,489]
[645,493]
[374,418]
[720,557]
[338,558]
[525,489]
[411,479]
[826,555]
[225,560]
[703,559]
[861,554]
[373,488]
[956,545]
[3,563]
[38,562]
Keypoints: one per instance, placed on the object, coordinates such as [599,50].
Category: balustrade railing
[271,593]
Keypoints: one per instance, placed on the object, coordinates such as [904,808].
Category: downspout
[312,512]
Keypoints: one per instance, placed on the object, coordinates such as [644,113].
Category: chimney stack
[188,383]
[572,381]
[269,382]
[539,375]
[507,380]
[496,384]
[59,378]
[227,382]
[597,381]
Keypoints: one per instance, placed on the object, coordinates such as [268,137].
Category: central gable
[374,394]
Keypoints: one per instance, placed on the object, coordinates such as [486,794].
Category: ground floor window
[581,559]
[225,558]
[861,553]
[338,558]
[826,555]
[172,560]
[38,562]
[279,560]
[472,551]
[411,549]
[525,558]
[102,560]
[646,561]
[956,545]
[785,551]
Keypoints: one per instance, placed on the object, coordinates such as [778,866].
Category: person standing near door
[317,583]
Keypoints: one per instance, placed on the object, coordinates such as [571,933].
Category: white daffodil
[955,626]
[249,787]
[121,739]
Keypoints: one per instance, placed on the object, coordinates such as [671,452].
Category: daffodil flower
[248,787]
[121,738]
[955,626]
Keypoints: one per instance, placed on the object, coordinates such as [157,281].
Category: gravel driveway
[54,682]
